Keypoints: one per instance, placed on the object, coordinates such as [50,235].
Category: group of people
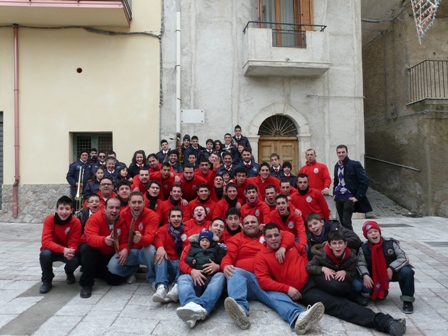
[224,221]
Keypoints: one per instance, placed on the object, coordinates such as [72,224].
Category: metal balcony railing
[428,80]
[289,35]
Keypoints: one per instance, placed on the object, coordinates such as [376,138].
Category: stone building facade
[406,119]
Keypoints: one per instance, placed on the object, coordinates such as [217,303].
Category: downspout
[15,187]
[178,56]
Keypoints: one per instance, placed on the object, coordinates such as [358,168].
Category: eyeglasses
[275,235]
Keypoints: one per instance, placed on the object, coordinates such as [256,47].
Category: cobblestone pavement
[128,310]
[383,206]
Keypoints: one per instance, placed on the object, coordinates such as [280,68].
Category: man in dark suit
[350,187]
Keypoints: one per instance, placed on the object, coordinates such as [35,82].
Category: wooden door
[286,147]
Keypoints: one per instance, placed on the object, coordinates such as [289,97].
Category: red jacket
[262,185]
[209,208]
[165,240]
[241,250]
[166,185]
[312,201]
[56,237]
[147,224]
[97,229]
[165,207]
[192,227]
[318,175]
[261,211]
[190,188]
[273,276]
[294,224]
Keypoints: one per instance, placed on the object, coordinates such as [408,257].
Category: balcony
[113,13]
[285,50]
[428,82]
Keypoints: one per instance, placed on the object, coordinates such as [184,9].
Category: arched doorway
[278,134]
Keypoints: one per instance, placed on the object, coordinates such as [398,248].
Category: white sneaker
[131,279]
[308,318]
[190,313]
[237,313]
[160,295]
[173,294]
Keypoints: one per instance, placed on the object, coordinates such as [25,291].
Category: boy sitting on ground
[381,260]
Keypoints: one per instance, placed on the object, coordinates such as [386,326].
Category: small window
[85,141]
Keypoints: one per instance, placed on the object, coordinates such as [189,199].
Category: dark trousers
[345,209]
[47,258]
[332,286]
[344,309]
[199,290]
[94,265]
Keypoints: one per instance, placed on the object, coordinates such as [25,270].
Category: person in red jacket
[230,200]
[169,242]
[190,182]
[141,181]
[271,194]
[241,183]
[153,200]
[233,224]
[318,174]
[309,200]
[166,179]
[203,198]
[175,199]
[142,223]
[284,295]
[263,179]
[238,268]
[255,206]
[60,238]
[286,218]
[289,277]
[107,237]
[198,222]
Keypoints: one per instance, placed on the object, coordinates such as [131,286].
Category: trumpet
[78,196]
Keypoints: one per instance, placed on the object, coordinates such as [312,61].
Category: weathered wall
[213,51]
[117,91]
[413,135]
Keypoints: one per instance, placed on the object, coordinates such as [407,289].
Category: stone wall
[36,201]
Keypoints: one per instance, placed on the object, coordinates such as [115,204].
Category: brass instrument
[78,196]
[179,148]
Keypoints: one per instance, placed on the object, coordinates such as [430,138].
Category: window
[296,16]
[85,141]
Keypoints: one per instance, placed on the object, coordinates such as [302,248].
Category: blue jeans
[209,298]
[47,257]
[243,286]
[136,257]
[405,278]
[167,272]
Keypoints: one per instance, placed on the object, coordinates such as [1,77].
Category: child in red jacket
[60,237]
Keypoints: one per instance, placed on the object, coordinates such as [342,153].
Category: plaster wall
[330,108]
[117,91]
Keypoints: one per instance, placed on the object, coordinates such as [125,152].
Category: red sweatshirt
[192,227]
[165,240]
[318,175]
[262,185]
[97,229]
[209,208]
[273,276]
[241,250]
[147,224]
[294,224]
[261,211]
[166,184]
[56,237]
[190,188]
[312,201]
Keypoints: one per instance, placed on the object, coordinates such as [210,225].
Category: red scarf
[379,271]
[335,261]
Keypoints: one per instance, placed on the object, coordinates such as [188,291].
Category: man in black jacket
[350,187]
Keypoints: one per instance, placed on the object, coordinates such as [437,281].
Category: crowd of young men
[145,214]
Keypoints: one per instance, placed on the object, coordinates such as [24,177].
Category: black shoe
[45,288]
[408,307]
[361,300]
[397,327]
[86,292]
[70,279]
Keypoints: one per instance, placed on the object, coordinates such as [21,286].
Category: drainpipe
[15,187]
[178,53]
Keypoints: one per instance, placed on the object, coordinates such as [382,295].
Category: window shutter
[306,10]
